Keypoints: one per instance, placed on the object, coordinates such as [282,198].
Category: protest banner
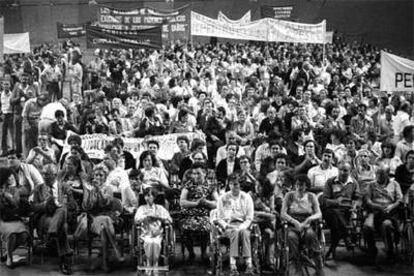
[1,38]
[70,30]
[267,29]
[16,43]
[397,73]
[276,12]
[176,23]
[286,31]
[329,37]
[94,144]
[128,39]
[246,18]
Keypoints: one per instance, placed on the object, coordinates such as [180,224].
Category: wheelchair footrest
[153,268]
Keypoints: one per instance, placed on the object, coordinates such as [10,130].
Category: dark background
[384,23]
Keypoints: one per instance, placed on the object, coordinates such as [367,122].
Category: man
[361,123]
[231,137]
[228,165]
[320,174]
[26,175]
[401,120]
[59,130]
[50,215]
[235,214]
[269,163]
[31,116]
[22,92]
[340,197]
[43,154]
[406,144]
[385,124]
[6,113]
[271,123]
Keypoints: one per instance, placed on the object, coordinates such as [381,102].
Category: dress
[196,219]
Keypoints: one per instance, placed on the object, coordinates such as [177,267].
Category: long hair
[144,155]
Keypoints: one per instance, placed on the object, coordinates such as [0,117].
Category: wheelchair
[305,262]
[218,240]
[407,232]
[167,254]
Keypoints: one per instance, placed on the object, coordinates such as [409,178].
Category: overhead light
[15,4]
[92,2]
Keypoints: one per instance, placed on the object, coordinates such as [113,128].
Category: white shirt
[402,119]
[319,176]
[6,107]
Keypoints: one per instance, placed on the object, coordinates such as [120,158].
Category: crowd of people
[292,134]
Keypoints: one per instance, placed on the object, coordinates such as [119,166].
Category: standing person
[51,214]
[51,76]
[22,92]
[31,116]
[235,211]
[12,230]
[6,113]
[75,72]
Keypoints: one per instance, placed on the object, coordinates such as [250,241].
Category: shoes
[249,271]
[65,269]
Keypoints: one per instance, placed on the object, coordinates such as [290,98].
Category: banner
[176,23]
[94,144]
[202,25]
[286,31]
[247,18]
[16,43]
[1,38]
[397,73]
[329,37]
[276,12]
[70,30]
[267,29]
[109,38]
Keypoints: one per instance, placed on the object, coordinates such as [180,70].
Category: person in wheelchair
[152,217]
[235,211]
[340,197]
[383,200]
[300,208]
[51,214]
[13,231]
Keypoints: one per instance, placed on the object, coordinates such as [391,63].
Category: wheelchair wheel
[407,243]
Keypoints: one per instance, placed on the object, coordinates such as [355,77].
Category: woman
[74,180]
[103,209]
[196,200]
[183,125]
[152,216]
[387,158]
[197,156]
[13,232]
[42,154]
[228,165]
[244,128]
[300,208]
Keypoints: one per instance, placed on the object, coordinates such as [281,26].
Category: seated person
[235,211]
[50,215]
[299,209]
[152,216]
[42,154]
[13,232]
[340,197]
[382,200]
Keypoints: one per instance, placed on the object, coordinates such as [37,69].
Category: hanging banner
[247,18]
[94,144]
[267,29]
[202,25]
[286,31]
[1,38]
[16,43]
[397,73]
[329,37]
[109,38]
[276,12]
[176,23]
[70,30]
